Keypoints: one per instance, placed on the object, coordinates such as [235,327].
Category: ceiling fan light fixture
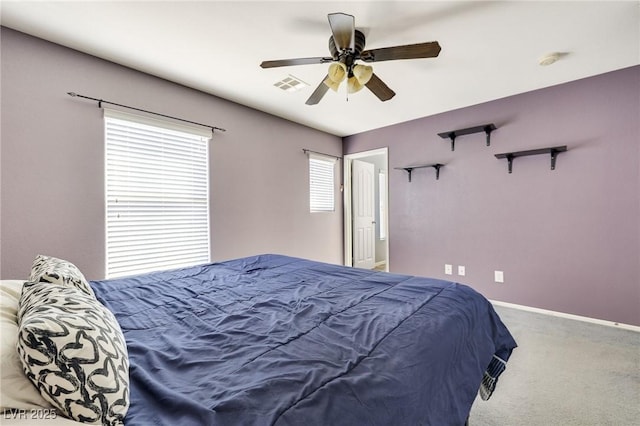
[362,73]
[337,72]
[353,85]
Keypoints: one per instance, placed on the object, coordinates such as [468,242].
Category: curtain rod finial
[72,94]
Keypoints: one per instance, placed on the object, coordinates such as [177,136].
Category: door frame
[347,194]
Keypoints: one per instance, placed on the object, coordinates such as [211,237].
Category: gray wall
[567,240]
[52,163]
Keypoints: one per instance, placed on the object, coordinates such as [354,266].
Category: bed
[279,340]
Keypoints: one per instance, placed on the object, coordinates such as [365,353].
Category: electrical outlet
[498,276]
[461,270]
[448,269]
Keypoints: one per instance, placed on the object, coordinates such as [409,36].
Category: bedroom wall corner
[52,163]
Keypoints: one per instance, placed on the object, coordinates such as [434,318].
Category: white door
[363,196]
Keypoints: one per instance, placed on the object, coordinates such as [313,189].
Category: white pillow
[17,392]
[57,271]
[72,349]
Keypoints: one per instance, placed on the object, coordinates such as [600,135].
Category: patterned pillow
[57,271]
[72,349]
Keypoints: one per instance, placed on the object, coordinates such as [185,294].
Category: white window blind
[321,183]
[157,210]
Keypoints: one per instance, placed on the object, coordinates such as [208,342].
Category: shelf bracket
[510,158]
[409,170]
[554,155]
[437,167]
[452,136]
[488,129]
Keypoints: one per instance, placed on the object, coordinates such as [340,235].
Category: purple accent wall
[52,163]
[567,240]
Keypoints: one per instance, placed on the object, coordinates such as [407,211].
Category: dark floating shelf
[453,134]
[409,169]
[553,151]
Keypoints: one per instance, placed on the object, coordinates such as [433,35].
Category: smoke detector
[549,59]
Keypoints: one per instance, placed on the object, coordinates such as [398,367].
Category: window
[321,183]
[157,209]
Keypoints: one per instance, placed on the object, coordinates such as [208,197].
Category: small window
[157,208]
[321,184]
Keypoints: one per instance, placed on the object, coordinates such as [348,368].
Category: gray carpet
[564,372]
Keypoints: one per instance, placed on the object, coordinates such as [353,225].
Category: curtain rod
[101,101]
[306,151]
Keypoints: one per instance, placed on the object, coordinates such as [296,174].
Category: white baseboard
[569,316]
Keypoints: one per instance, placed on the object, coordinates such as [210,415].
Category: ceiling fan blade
[297,61]
[379,88]
[409,51]
[343,27]
[319,93]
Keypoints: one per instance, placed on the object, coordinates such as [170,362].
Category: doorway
[363,172]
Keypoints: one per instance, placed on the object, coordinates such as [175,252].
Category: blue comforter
[276,340]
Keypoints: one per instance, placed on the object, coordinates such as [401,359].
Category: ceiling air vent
[291,84]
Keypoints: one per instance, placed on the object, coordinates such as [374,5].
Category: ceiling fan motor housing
[359,42]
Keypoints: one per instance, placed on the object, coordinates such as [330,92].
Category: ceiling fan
[346,46]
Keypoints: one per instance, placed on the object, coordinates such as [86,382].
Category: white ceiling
[490,49]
